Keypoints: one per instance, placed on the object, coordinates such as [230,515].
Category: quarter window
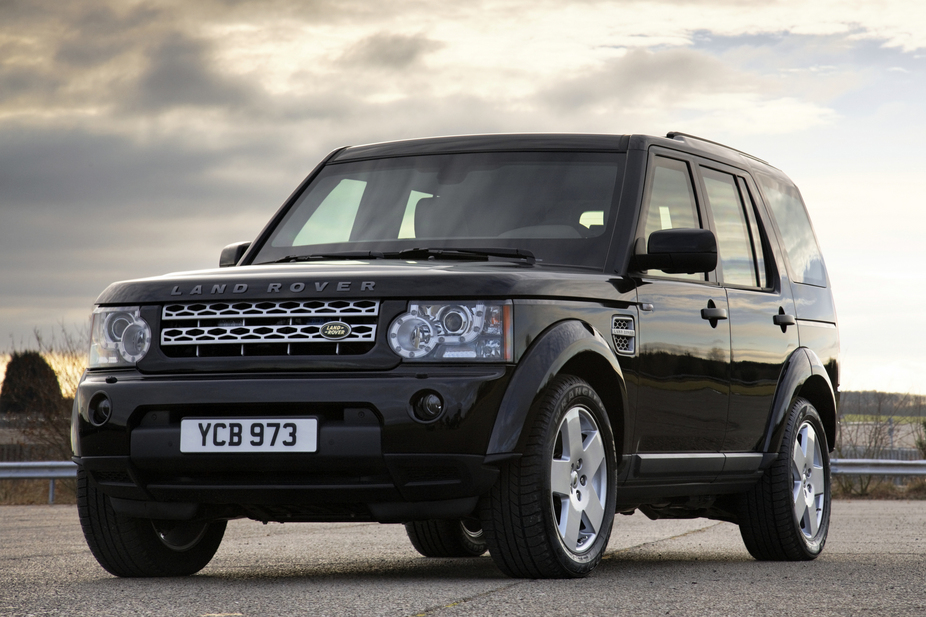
[794,225]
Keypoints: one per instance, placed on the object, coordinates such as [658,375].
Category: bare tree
[869,434]
[38,391]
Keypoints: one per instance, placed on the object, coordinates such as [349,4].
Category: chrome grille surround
[267,322]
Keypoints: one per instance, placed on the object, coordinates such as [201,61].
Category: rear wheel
[550,513]
[138,547]
[447,538]
[785,517]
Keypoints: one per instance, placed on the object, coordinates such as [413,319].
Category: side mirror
[232,254]
[679,251]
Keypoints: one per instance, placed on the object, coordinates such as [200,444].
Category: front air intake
[624,334]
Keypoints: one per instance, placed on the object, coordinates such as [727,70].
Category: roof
[487,143]
[538,142]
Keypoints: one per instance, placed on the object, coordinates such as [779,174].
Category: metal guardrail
[42,470]
[876,467]
[60,470]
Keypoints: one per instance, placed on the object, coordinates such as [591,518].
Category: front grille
[284,328]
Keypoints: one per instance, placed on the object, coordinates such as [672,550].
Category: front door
[684,340]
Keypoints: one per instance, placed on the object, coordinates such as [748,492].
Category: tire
[550,513]
[447,538]
[786,516]
[138,547]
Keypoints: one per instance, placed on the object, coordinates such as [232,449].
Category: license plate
[233,435]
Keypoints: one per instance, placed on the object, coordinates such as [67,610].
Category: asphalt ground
[873,564]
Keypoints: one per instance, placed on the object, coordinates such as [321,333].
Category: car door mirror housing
[232,254]
[678,251]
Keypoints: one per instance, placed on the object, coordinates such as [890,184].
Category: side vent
[624,334]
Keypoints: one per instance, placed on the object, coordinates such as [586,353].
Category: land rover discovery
[500,341]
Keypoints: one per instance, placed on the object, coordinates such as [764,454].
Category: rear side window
[739,241]
[794,225]
[758,238]
[733,241]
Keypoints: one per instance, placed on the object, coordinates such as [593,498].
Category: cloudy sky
[138,138]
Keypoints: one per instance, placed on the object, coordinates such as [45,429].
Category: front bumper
[375,460]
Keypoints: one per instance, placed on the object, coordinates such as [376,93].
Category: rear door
[761,309]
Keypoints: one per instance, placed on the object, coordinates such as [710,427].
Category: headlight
[454,331]
[118,337]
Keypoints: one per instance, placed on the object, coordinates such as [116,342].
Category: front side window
[555,204]
[669,202]
[796,231]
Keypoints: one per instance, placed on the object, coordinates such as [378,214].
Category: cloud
[23,85]
[70,168]
[389,51]
[97,35]
[643,78]
[686,88]
[179,74]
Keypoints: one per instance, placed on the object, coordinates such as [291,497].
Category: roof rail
[676,134]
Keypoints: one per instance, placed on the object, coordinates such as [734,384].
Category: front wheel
[550,513]
[786,516]
[138,547]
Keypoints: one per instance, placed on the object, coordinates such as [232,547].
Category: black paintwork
[697,408]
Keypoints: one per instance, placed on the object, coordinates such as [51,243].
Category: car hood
[377,279]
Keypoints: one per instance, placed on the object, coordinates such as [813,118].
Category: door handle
[784,320]
[713,314]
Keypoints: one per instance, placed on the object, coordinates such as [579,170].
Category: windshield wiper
[464,254]
[331,256]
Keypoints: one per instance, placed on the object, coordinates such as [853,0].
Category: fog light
[100,409]
[429,406]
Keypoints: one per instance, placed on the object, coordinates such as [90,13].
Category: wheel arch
[599,373]
[568,347]
[803,376]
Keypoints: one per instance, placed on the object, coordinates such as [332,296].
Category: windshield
[556,205]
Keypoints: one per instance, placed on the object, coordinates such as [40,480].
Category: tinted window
[733,237]
[758,239]
[670,201]
[794,225]
[556,205]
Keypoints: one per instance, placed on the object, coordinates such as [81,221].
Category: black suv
[500,341]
